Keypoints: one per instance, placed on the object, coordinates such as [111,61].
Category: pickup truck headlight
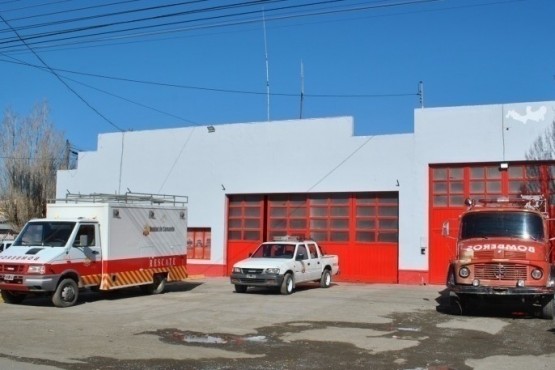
[36,269]
[237,269]
[273,270]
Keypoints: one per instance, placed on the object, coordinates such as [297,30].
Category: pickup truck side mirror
[299,257]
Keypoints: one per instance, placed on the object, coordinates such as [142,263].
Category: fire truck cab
[503,252]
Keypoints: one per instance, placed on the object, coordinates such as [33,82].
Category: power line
[52,36]
[219,90]
[62,80]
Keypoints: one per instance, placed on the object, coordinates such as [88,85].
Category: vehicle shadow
[276,290]
[447,304]
[90,296]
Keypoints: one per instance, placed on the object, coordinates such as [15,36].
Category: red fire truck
[503,254]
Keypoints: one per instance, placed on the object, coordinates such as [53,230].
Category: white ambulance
[98,241]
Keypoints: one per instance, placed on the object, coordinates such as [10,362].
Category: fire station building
[376,201]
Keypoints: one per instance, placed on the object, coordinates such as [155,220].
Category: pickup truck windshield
[53,234]
[523,225]
[274,250]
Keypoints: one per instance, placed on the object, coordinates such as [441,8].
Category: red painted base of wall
[413,277]
[409,277]
[206,270]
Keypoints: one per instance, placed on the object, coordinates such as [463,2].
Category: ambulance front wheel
[66,293]
[13,298]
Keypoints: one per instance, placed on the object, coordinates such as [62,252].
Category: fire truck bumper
[488,290]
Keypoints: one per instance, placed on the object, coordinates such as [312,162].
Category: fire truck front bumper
[501,290]
[260,280]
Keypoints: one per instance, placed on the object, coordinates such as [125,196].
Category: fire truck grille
[500,271]
[12,269]
[504,254]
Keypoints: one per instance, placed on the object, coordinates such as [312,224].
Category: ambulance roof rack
[129,197]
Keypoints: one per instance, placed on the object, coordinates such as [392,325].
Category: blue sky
[360,58]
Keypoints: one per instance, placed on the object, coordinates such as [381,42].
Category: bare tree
[543,147]
[31,153]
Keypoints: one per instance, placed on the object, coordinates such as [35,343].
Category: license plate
[251,276]
[9,277]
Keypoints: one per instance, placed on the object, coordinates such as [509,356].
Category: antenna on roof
[267,67]
[302,89]
[421,93]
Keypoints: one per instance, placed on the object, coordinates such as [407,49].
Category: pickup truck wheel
[287,284]
[240,288]
[66,293]
[13,298]
[325,280]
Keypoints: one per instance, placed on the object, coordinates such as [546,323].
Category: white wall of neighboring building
[301,156]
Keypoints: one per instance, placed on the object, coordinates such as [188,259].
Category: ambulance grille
[12,268]
[500,271]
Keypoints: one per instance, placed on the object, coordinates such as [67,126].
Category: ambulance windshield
[45,233]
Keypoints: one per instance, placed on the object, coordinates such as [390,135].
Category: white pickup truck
[284,263]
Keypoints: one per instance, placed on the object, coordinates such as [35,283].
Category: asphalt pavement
[204,324]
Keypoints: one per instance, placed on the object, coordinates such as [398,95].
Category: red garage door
[451,184]
[362,228]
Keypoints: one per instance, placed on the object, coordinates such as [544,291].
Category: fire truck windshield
[522,225]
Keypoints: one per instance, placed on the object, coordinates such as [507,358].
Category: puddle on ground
[197,338]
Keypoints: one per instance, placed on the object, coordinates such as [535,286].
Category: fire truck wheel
[325,280]
[241,288]
[66,293]
[287,285]
[547,309]
[13,298]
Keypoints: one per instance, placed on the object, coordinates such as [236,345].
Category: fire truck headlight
[520,283]
[36,269]
[475,282]
[464,272]
[537,274]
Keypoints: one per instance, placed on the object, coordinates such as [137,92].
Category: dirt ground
[203,324]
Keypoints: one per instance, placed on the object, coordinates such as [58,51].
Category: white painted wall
[300,156]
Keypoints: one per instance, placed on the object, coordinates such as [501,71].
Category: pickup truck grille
[12,268]
[500,271]
[251,271]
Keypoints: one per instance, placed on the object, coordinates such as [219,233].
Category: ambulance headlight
[274,270]
[36,269]
[464,272]
[537,274]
